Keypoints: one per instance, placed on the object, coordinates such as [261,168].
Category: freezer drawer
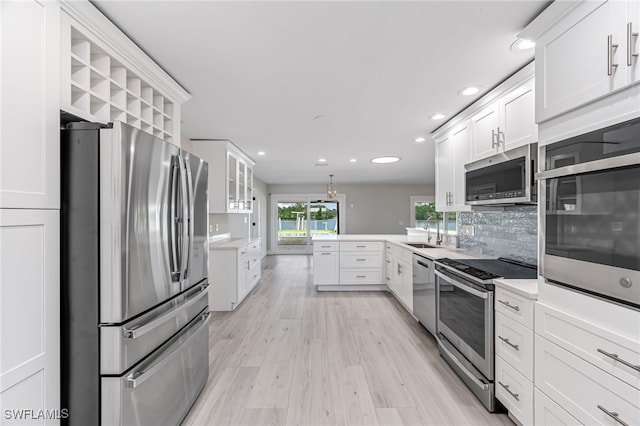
[123,346]
[162,388]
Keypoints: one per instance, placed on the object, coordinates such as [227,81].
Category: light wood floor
[290,355]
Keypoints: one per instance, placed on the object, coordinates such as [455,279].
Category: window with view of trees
[426,216]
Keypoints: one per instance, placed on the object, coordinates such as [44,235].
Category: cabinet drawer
[388,267]
[361,246]
[253,276]
[254,246]
[325,246]
[548,413]
[515,391]
[591,342]
[361,276]
[514,306]
[514,343]
[584,390]
[360,260]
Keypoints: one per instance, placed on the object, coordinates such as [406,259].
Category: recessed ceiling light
[470,90]
[353,160]
[322,160]
[437,116]
[420,139]
[261,153]
[385,160]
[522,44]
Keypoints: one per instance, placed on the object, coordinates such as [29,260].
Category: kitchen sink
[423,245]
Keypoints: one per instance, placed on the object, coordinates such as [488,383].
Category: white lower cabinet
[326,267]
[400,277]
[588,393]
[233,274]
[548,413]
[514,353]
[29,312]
[347,264]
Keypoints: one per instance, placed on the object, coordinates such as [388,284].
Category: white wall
[371,208]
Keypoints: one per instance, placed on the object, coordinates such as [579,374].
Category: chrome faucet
[438,235]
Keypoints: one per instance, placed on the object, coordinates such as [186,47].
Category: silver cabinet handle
[506,387]
[248,265]
[494,137]
[500,132]
[326,254]
[613,415]
[361,276]
[508,305]
[361,246]
[325,246]
[615,357]
[516,347]
[610,46]
[361,260]
[630,36]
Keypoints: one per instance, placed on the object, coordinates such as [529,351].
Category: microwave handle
[592,166]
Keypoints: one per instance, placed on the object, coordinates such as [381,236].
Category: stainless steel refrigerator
[134,256]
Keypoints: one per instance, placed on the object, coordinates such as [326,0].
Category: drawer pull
[514,395]
[388,261]
[361,276]
[508,305]
[326,254]
[361,260]
[613,415]
[516,347]
[325,246]
[617,358]
[361,246]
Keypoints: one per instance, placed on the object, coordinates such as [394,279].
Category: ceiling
[260,72]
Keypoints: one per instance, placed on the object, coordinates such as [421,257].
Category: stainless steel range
[464,298]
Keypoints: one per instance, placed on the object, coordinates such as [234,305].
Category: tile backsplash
[511,233]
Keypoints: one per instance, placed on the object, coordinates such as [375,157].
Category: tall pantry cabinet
[51,60]
[29,207]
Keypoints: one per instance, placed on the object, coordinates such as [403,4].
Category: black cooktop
[488,269]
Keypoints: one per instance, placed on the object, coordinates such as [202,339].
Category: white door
[29,310]
[518,122]
[484,128]
[30,105]
[566,81]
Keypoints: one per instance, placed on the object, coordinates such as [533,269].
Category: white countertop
[526,288]
[231,243]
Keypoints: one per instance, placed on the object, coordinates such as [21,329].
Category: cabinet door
[30,105]
[325,267]
[249,200]
[460,156]
[443,173]
[30,309]
[232,183]
[484,128]
[572,59]
[406,292]
[242,185]
[518,117]
[243,268]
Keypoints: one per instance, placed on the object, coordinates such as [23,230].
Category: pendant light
[331,192]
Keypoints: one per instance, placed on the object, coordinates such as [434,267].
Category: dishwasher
[424,292]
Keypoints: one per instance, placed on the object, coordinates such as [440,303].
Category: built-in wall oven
[590,230]
[465,317]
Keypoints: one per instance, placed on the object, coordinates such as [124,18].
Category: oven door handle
[468,289]
[591,166]
[481,384]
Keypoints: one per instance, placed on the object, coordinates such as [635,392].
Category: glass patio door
[299,220]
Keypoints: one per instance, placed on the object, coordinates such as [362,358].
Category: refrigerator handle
[184,201]
[173,220]
[189,218]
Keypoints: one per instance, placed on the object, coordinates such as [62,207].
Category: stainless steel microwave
[590,229]
[506,178]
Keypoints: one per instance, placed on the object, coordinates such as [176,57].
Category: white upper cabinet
[586,55]
[452,153]
[230,176]
[105,77]
[506,123]
[30,109]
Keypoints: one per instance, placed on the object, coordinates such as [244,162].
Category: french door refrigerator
[134,277]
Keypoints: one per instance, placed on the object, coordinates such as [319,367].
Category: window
[424,214]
